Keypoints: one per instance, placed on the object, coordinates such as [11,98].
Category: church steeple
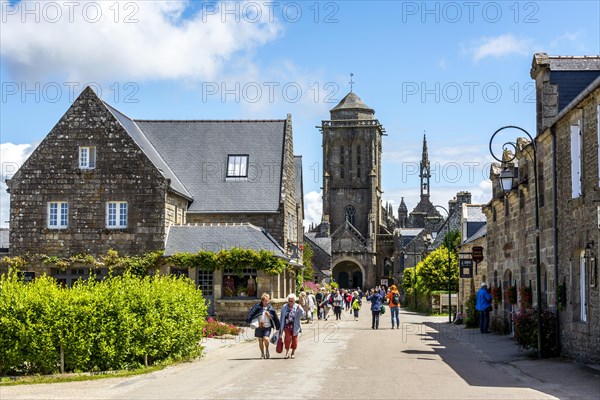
[425,170]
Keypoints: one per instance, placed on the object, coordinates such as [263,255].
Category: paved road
[425,359]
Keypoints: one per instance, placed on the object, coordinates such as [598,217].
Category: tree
[433,271]
[308,273]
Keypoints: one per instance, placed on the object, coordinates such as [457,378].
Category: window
[87,157]
[116,214]
[582,283]
[58,215]
[243,285]
[576,161]
[237,166]
[598,128]
[342,155]
[351,215]
[357,155]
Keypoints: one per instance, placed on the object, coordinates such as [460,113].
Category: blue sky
[457,70]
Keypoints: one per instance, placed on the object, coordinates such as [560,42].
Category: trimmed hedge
[122,322]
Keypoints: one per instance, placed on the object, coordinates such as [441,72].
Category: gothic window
[358,172]
[342,156]
[357,155]
[351,215]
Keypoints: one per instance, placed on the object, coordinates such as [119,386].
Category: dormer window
[237,166]
[87,157]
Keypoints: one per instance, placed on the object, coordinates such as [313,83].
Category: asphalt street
[426,359]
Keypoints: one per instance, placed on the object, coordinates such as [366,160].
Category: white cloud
[500,46]
[313,208]
[12,156]
[96,40]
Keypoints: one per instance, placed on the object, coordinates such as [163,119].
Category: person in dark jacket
[376,301]
[483,301]
[267,319]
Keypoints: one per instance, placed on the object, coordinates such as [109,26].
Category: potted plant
[496,295]
[511,295]
[526,296]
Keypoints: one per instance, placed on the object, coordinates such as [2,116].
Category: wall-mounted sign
[466,268]
[477,254]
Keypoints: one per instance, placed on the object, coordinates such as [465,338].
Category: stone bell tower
[352,141]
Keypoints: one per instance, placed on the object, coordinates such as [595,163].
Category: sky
[455,71]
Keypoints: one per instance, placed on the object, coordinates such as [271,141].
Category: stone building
[566,149]
[101,180]
[362,245]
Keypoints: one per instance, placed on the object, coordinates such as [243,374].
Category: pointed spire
[425,155]
[351,81]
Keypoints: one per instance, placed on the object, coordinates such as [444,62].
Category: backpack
[396,299]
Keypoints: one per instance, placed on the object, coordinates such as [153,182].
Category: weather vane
[351,81]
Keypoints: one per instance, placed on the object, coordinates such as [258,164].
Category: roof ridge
[209,120]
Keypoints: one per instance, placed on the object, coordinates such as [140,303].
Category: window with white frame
[237,166]
[58,215]
[576,189]
[87,157]
[116,214]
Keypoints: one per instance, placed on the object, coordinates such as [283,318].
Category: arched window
[351,214]
[342,155]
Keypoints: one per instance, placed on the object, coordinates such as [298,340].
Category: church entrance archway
[343,279]
[348,273]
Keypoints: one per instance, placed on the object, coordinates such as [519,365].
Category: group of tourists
[286,326]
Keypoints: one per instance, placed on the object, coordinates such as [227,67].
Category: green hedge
[121,322]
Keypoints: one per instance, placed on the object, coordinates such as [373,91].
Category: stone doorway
[347,274]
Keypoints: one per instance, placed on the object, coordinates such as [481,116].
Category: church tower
[417,218]
[352,145]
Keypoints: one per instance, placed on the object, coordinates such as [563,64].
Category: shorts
[262,332]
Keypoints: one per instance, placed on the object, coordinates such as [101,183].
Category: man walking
[483,301]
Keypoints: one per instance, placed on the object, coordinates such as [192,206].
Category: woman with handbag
[263,317]
[291,314]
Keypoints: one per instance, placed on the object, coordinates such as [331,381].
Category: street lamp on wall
[506,180]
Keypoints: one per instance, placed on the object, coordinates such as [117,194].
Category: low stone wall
[236,310]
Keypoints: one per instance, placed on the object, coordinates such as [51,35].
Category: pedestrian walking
[291,313]
[320,296]
[338,303]
[264,317]
[311,304]
[376,301]
[356,303]
[483,304]
[393,300]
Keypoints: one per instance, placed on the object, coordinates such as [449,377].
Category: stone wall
[578,225]
[175,209]
[52,174]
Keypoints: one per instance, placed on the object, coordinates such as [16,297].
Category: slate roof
[142,141]
[194,155]
[197,152]
[351,102]
[479,234]
[324,243]
[215,237]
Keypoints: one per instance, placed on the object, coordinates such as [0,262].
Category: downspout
[555,232]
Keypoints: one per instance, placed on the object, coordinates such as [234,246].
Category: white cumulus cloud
[12,157]
[127,40]
[500,46]
[313,208]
